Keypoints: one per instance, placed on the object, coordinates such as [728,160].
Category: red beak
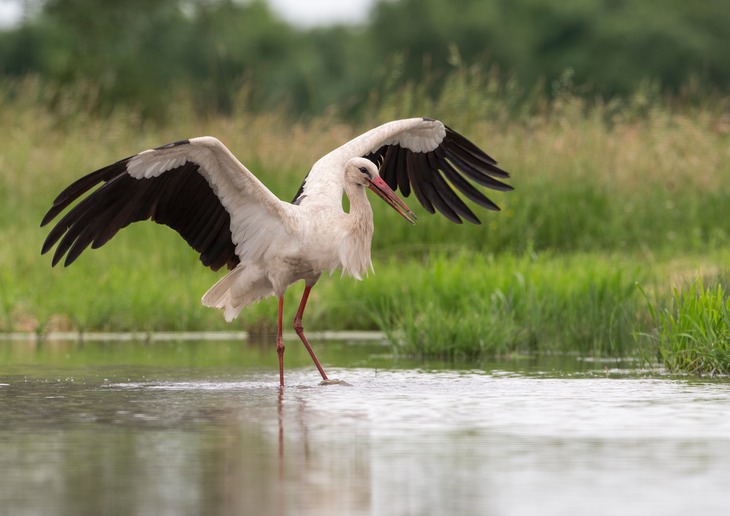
[383,191]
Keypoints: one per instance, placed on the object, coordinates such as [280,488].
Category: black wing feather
[391,159]
[415,181]
[430,188]
[180,198]
[403,177]
[464,186]
[450,197]
[433,175]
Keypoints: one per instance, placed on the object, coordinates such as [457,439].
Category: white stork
[198,188]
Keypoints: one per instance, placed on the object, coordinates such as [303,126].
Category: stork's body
[201,190]
[317,238]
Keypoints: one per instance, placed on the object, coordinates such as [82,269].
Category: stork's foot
[335,382]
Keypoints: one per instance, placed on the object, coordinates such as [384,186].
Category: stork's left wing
[424,156]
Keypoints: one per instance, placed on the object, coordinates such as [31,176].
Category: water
[146,429]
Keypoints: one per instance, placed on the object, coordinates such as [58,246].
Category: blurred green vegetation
[146,53]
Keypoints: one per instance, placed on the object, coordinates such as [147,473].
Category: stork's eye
[364,171]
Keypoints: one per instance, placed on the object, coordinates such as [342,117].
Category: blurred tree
[230,44]
[610,44]
[147,52]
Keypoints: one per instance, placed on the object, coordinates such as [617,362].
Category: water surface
[175,428]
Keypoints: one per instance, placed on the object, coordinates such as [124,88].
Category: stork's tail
[236,290]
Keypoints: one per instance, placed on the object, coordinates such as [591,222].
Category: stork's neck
[361,212]
[355,257]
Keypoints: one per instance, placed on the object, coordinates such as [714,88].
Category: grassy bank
[692,328]
[468,305]
[607,195]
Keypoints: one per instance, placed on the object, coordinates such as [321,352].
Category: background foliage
[148,52]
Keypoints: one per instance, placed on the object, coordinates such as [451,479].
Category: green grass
[693,333]
[468,305]
[607,195]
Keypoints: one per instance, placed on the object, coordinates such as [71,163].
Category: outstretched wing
[420,155]
[196,187]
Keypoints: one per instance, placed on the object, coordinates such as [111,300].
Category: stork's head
[364,172]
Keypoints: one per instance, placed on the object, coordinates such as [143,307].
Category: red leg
[300,331]
[280,343]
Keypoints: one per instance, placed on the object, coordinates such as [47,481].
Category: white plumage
[223,211]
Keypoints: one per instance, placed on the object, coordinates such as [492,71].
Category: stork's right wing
[197,187]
